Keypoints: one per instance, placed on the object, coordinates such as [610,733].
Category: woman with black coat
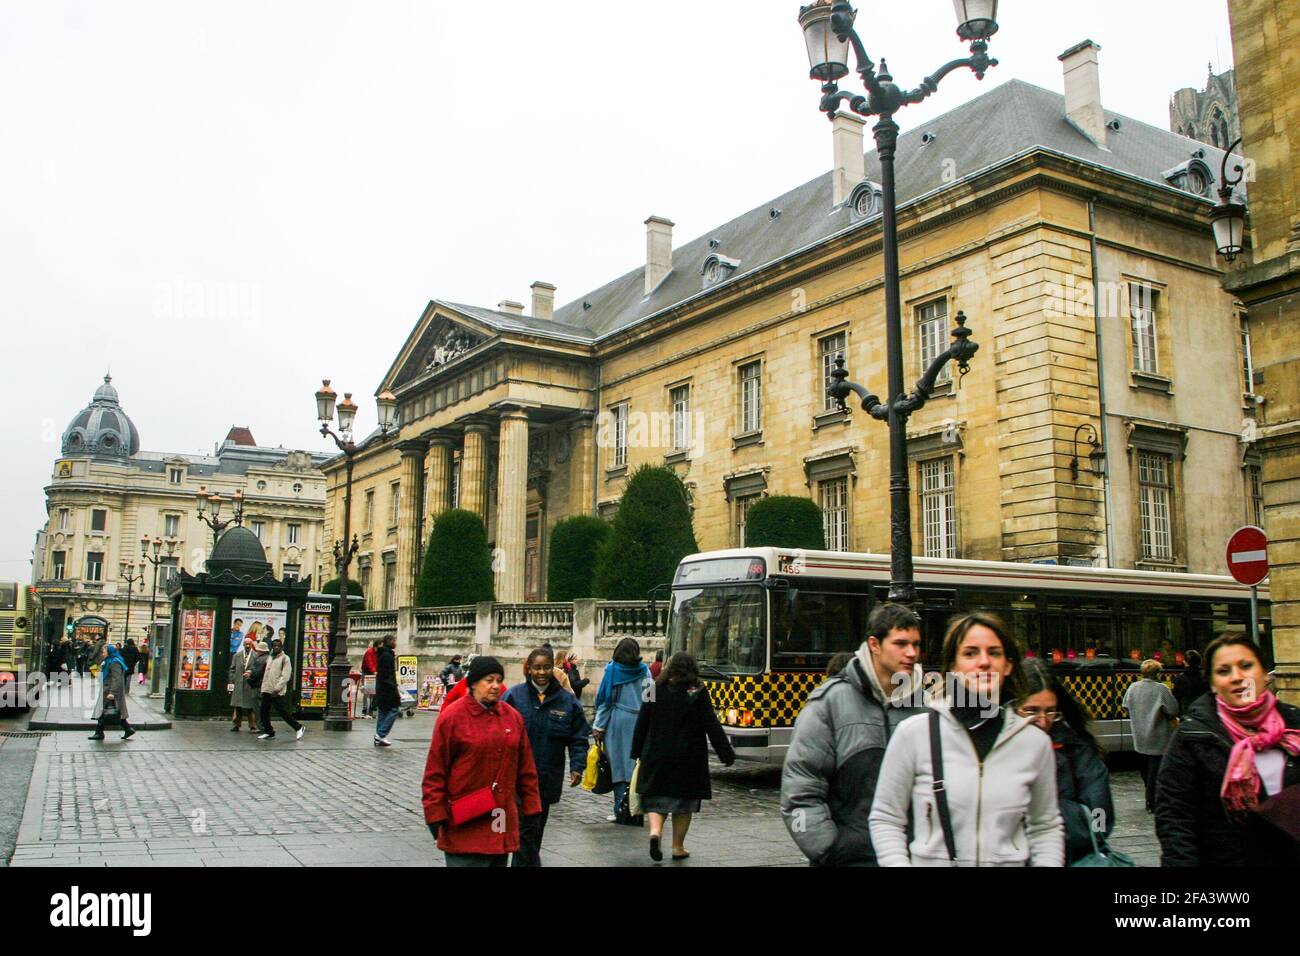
[670,739]
[1235,749]
[1082,780]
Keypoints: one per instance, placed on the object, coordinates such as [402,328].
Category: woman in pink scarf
[1236,749]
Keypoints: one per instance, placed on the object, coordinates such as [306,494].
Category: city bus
[765,622]
[18,615]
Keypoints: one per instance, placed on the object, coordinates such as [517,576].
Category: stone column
[512,505]
[473,470]
[581,463]
[438,465]
[408,530]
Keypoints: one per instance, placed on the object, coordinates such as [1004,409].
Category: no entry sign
[1248,555]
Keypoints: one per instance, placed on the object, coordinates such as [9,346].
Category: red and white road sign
[1248,555]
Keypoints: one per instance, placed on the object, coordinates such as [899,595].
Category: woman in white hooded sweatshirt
[999,775]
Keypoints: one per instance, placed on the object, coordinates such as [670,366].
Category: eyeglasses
[1033,713]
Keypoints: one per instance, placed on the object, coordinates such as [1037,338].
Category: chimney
[658,251]
[510,307]
[1083,91]
[543,300]
[850,166]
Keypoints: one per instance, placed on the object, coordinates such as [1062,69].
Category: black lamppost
[214,519]
[336,710]
[829,34]
[1228,218]
[156,559]
[132,574]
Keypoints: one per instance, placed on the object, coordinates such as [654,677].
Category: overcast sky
[225,201]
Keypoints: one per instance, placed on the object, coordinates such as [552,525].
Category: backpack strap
[940,792]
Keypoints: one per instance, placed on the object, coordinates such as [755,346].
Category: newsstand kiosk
[212,612]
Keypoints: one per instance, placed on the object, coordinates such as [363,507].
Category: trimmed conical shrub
[458,564]
[652,533]
[571,567]
[332,587]
[784,521]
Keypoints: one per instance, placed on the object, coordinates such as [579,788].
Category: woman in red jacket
[480,776]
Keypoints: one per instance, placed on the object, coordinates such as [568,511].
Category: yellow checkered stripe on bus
[773,700]
[1102,695]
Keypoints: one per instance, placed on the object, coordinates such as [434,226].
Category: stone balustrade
[588,628]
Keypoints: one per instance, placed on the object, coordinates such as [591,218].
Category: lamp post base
[337,723]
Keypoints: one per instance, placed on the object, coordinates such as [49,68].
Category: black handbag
[604,772]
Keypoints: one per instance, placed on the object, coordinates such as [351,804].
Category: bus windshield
[721,626]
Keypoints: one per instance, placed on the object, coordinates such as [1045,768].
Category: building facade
[1209,115]
[105,494]
[1268,282]
[1102,421]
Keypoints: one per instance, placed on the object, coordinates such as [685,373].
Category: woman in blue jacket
[555,723]
[618,702]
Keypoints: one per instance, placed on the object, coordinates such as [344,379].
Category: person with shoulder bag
[111,703]
[479,778]
[973,783]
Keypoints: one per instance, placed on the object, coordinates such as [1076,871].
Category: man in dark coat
[388,698]
[130,654]
[1190,684]
[556,724]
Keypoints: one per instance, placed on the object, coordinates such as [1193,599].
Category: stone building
[1210,115]
[1264,32]
[105,494]
[1073,239]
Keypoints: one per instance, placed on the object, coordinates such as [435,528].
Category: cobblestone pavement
[200,795]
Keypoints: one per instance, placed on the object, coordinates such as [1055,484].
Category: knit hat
[481,667]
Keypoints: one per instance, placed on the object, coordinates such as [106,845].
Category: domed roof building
[102,429]
[110,505]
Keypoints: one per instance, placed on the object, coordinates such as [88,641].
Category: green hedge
[652,533]
[354,587]
[571,567]
[458,564]
[784,521]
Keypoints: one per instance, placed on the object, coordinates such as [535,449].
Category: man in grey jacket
[275,684]
[829,778]
[1153,710]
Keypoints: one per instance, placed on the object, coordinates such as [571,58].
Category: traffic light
[68,628]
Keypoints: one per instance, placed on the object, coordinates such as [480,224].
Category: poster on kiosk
[261,620]
[314,668]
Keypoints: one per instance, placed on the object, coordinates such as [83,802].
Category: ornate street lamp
[336,710]
[213,519]
[829,35]
[132,574]
[157,558]
[1228,218]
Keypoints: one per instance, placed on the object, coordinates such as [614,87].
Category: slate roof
[1008,121]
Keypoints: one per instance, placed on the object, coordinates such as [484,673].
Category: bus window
[721,626]
[820,626]
[936,609]
[1081,628]
[1018,610]
[1155,629]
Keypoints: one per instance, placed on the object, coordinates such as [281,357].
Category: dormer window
[1193,176]
[718,268]
[865,200]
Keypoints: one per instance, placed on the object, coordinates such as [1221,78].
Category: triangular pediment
[438,340]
